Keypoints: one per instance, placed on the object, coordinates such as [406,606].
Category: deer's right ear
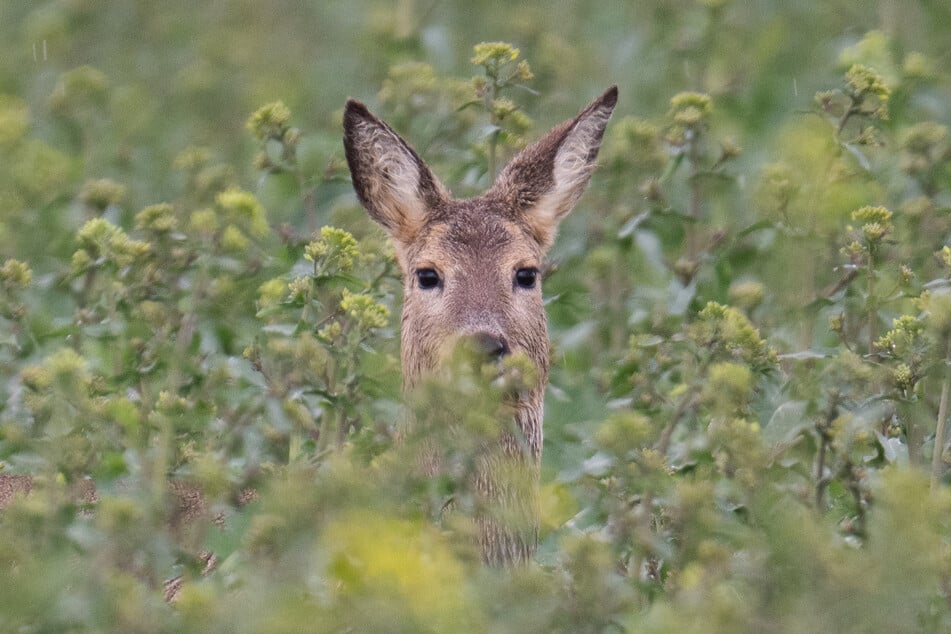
[391,181]
[544,181]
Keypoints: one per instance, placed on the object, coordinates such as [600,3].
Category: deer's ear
[392,182]
[544,181]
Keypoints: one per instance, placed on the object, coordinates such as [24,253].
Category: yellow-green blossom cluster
[14,119]
[79,87]
[918,66]
[945,256]
[271,292]
[851,436]
[868,88]
[506,110]
[204,222]
[874,49]
[335,249]
[937,307]
[172,404]
[233,239]
[365,310]
[493,56]
[689,114]
[102,193]
[41,171]
[64,370]
[635,142]
[269,121]
[923,146]
[690,109]
[776,188]
[331,331]
[192,158]
[518,372]
[493,53]
[727,330]
[15,275]
[243,210]
[299,287]
[158,218]
[102,241]
[905,335]
[747,294]
[155,314]
[624,432]
[729,386]
[876,222]
[739,452]
[903,377]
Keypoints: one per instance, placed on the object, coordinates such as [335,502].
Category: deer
[471,276]
[471,273]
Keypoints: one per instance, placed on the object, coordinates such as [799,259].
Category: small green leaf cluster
[507,122]
[865,98]
[270,125]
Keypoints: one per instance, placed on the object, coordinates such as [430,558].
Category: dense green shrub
[751,315]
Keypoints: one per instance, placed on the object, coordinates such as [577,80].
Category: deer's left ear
[390,179]
[544,181]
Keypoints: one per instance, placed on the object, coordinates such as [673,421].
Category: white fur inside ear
[575,160]
[573,165]
[394,179]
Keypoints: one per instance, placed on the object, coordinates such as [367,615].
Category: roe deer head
[471,268]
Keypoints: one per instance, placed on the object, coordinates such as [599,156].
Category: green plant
[746,421]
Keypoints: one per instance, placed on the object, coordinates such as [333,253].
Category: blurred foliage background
[750,311]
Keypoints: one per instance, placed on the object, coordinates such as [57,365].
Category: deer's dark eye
[427,278]
[526,278]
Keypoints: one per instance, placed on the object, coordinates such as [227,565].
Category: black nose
[487,346]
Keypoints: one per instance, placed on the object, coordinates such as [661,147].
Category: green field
[750,312]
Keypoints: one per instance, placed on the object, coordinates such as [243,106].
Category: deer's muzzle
[486,346]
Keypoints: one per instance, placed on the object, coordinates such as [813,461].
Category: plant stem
[854,109]
[941,427]
[664,443]
[328,422]
[872,304]
[853,477]
[493,144]
[490,94]
[296,444]
[821,481]
[824,439]
[696,202]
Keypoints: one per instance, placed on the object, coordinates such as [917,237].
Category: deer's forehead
[466,238]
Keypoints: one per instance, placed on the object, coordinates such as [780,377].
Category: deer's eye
[427,278]
[526,278]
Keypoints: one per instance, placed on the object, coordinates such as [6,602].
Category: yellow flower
[158,218]
[102,193]
[15,275]
[364,309]
[494,53]
[269,121]
[244,208]
[690,109]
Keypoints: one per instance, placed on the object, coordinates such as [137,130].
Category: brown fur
[476,246]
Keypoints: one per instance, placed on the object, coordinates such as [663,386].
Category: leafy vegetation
[746,425]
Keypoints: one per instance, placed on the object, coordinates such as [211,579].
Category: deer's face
[471,267]
[472,279]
